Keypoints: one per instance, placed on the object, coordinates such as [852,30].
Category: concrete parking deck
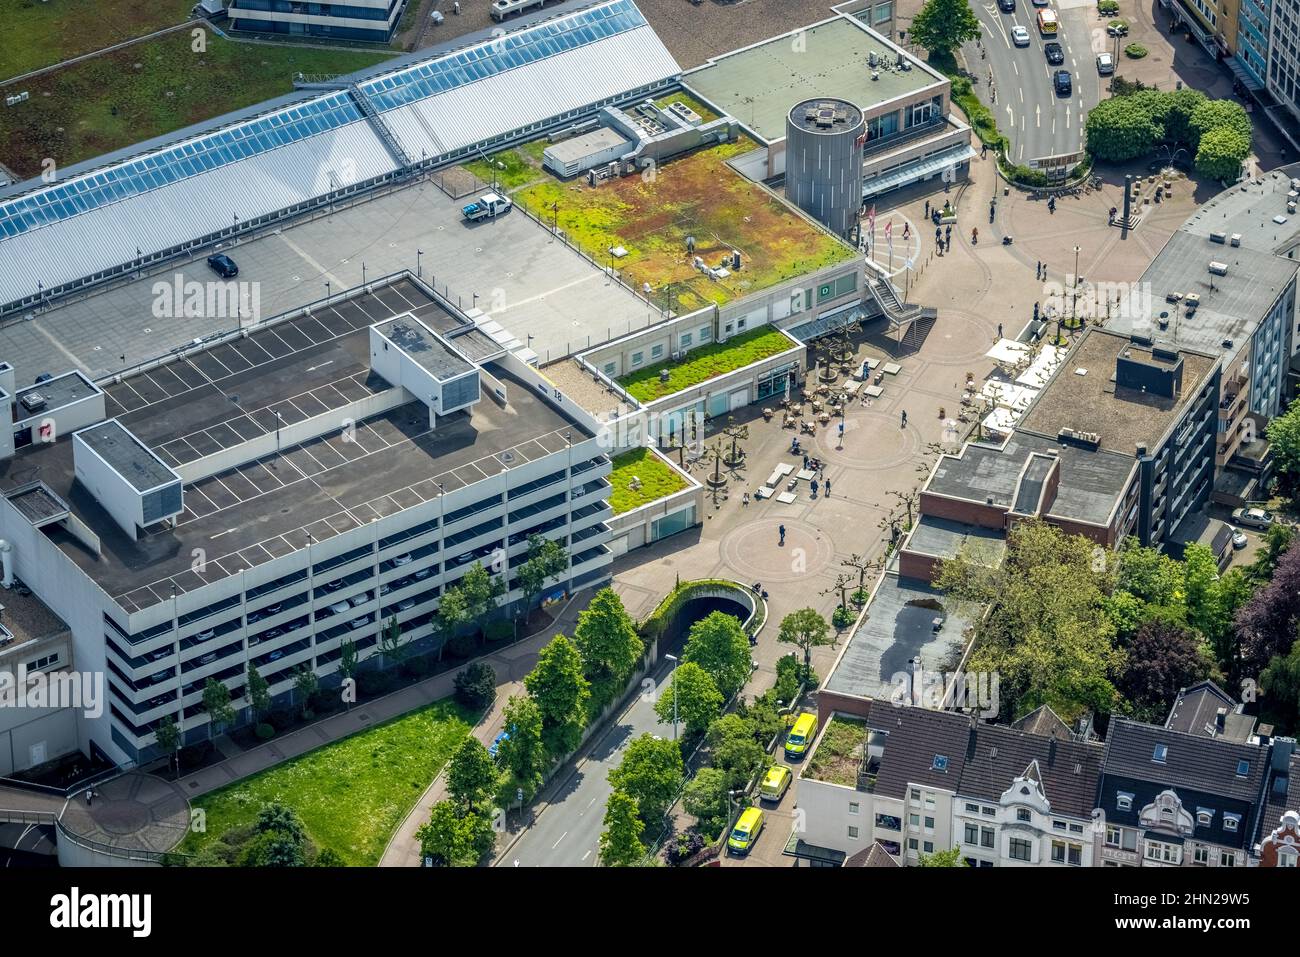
[510,267]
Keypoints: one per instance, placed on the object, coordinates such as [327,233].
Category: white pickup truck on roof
[489,204]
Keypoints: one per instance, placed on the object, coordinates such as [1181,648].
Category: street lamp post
[418,254]
[1074,291]
[673,659]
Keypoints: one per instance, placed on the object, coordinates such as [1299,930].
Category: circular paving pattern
[752,551]
[960,336]
[872,441]
[123,817]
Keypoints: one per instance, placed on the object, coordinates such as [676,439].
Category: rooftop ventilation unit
[33,402]
[1235,239]
[1192,302]
[1218,237]
[1218,268]
[826,115]
[1089,440]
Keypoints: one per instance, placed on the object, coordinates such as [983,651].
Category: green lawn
[146,90]
[705,363]
[839,755]
[522,165]
[657,480]
[352,794]
[34,34]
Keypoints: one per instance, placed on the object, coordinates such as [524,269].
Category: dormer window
[1161,752]
[1124,801]
[1231,821]
[1204,817]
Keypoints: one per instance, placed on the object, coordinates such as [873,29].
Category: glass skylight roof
[246,140]
[505,53]
[176,162]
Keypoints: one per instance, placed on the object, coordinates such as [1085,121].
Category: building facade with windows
[1039,815]
[1172,799]
[911,134]
[337,472]
[1283,77]
[373,20]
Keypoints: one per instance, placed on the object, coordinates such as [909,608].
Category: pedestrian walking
[813,486]
[805,462]
[904,425]
[927,209]
[1038,269]
[947,231]
[984,150]
[907,230]
[999,330]
[744,501]
[828,488]
[90,796]
[781,530]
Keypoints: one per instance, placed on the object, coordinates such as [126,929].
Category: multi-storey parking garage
[340,468]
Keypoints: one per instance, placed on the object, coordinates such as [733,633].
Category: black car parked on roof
[223,266]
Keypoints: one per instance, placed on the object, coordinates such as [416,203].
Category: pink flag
[889,230]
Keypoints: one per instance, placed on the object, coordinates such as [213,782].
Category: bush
[370,683]
[684,848]
[281,719]
[193,754]
[981,118]
[842,617]
[1135,51]
[324,700]
[416,667]
[476,686]
[264,731]
[1108,8]
[788,675]
[463,646]
[1119,23]
[499,630]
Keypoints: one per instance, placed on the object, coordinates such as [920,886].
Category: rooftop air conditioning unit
[1192,301]
[1235,239]
[1218,237]
[1219,269]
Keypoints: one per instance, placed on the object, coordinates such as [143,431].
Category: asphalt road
[1037,121]
[567,832]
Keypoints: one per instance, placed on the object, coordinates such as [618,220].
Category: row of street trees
[573,682]
[715,665]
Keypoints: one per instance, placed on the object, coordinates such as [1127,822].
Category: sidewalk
[512,665]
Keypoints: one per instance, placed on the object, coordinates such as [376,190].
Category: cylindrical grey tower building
[823,162]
